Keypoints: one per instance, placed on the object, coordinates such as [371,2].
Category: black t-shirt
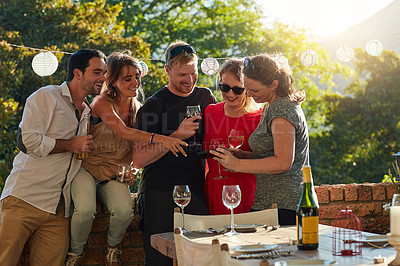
[162,113]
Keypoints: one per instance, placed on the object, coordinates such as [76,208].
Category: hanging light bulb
[209,66]
[309,58]
[44,64]
[145,69]
[344,53]
[374,47]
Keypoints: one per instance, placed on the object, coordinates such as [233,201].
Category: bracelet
[152,137]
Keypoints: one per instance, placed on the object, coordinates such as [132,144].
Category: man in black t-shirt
[165,113]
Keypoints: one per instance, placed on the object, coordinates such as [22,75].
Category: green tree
[56,25]
[362,129]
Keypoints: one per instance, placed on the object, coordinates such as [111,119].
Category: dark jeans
[157,216]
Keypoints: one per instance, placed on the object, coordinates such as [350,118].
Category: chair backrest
[201,222]
[190,253]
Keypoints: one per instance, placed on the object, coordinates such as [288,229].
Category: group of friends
[49,198]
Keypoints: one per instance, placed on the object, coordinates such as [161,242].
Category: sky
[323,17]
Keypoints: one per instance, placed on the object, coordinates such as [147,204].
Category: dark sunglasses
[225,88]
[250,65]
[177,50]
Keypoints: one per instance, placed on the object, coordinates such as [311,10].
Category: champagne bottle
[307,214]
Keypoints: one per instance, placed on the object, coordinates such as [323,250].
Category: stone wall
[365,200]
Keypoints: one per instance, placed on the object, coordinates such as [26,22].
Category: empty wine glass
[182,196]
[217,143]
[193,110]
[231,197]
[235,138]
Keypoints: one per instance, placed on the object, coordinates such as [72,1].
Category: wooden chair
[268,217]
[190,253]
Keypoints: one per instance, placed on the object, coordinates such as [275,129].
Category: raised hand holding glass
[193,110]
[217,143]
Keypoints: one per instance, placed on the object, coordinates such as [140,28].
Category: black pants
[286,217]
[157,216]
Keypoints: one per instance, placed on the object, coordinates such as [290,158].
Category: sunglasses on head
[226,88]
[250,65]
[177,50]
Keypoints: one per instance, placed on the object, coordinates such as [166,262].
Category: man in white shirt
[35,202]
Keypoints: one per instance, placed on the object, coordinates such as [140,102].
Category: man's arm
[36,119]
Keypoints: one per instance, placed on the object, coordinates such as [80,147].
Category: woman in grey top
[280,142]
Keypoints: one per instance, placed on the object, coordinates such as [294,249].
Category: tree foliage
[56,25]
[345,140]
[362,129]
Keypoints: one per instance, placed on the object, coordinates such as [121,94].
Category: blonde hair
[235,67]
[182,58]
[266,68]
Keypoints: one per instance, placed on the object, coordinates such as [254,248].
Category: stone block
[364,192]
[378,191]
[351,192]
[336,192]
[322,194]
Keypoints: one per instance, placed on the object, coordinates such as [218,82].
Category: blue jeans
[114,195]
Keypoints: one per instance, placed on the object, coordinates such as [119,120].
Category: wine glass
[217,143]
[193,110]
[235,138]
[182,196]
[231,197]
[126,174]
[85,131]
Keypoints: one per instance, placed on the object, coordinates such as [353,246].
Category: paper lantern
[374,47]
[44,64]
[344,53]
[209,66]
[145,69]
[309,58]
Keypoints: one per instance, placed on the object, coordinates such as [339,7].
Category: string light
[209,66]
[44,64]
[145,69]
[374,47]
[309,58]
[344,53]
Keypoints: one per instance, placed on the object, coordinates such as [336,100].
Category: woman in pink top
[237,111]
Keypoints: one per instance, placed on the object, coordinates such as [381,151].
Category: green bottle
[307,214]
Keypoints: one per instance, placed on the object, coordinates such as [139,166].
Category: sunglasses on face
[225,88]
[177,50]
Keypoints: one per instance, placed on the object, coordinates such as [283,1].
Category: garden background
[354,129]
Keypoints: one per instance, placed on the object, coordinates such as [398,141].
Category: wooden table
[164,243]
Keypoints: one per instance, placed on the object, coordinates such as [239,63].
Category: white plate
[244,226]
[253,248]
[311,262]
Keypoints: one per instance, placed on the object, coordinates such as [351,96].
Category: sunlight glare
[323,17]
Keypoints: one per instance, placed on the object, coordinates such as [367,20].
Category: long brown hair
[115,62]
[266,68]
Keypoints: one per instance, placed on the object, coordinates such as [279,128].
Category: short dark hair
[80,60]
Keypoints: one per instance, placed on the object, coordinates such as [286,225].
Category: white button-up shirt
[39,177]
